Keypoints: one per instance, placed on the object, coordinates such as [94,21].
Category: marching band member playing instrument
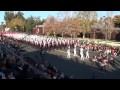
[75,51]
[81,53]
[68,52]
[87,53]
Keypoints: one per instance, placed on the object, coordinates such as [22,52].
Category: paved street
[74,66]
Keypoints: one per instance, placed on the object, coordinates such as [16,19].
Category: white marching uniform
[68,53]
[81,54]
[87,54]
[75,52]
[107,51]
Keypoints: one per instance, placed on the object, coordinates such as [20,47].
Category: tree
[86,17]
[42,21]
[108,27]
[65,23]
[2,26]
[116,21]
[67,18]
[51,25]
[32,22]
[37,20]
[74,26]
[18,23]
[60,28]
[9,15]
[20,15]
[110,24]
[29,24]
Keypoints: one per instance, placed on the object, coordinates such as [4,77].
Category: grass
[109,42]
[100,40]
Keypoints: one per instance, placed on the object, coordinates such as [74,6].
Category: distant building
[115,35]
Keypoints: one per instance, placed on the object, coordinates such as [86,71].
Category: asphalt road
[74,66]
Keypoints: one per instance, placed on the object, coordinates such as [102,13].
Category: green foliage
[9,15]
[116,21]
[18,20]
[58,35]
[2,26]
[86,18]
[31,22]
[20,15]
[18,23]
[13,19]
[49,34]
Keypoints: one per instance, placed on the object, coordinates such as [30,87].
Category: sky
[44,14]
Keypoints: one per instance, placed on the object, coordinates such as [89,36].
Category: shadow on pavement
[74,67]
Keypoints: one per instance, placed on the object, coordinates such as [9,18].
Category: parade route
[79,69]
[74,66]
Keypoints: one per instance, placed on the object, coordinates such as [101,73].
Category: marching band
[45,42]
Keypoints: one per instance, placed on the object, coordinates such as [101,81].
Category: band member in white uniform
[75,52]
[81,54]
[68,52]
[87,53]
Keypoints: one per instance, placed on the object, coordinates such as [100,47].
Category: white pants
[68,55]
[81,56]
[75,52]
[87,55]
